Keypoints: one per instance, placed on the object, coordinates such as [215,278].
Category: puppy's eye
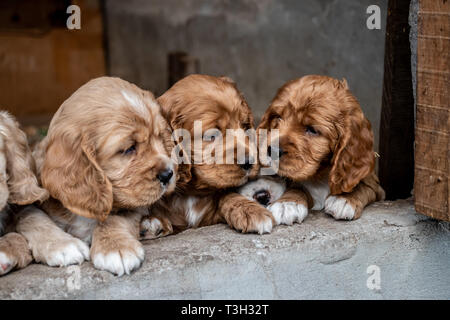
[246,126]
[129,151]
[310,130]
[275,120]
[210,136]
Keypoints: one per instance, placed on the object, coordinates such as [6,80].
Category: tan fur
[14,246]
[18,185]
[90,179]
[218,104]
[342,147]
[22,185]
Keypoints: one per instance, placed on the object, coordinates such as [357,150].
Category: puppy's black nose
[274,151]
[262,196]
[165,175]
[246,165]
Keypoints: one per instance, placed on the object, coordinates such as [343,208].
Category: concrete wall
[259,43]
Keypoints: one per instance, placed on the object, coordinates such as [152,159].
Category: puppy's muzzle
[262,196]
[165,175]
[247,165]
[275,152]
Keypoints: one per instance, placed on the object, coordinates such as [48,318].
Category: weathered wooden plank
[432,87]
[432,164]
[396,165]
[432,117]
[441,6]
[430,149]
[37,73]
[433,185]
[434,25]
[437,55]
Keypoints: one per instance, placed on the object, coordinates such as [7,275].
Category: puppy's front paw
[339,208]
[7,263]
[14,252]
[61,251]
[285,212]
[118,256]
[252,218]
[152,228]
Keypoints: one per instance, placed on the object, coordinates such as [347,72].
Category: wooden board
[42,64]
[432,155]
[396,147]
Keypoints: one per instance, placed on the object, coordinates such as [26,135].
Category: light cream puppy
[104,161]
[18,185]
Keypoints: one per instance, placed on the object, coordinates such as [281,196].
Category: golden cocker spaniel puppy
[203,196]
[19,186]
[325,147]
[105,159]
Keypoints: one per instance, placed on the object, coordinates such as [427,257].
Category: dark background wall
[259,43]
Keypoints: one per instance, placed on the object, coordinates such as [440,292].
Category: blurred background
[260,44]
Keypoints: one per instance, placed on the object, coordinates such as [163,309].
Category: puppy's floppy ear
[72,175]
[353,158]
[169,107]
[20,167]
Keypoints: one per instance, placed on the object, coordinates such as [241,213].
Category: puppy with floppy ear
[325,145]
[204,195]
[18,185]
[104,160]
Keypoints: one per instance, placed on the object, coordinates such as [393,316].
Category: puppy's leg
[245,215]
[291,207]
[349,206]
[153,227]
[115,246]
[14,253]
[48,243]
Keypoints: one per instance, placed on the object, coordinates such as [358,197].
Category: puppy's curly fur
[326,144]
[102,160]
[203,196]
[18,185]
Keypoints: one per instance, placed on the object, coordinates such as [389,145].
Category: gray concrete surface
[318,259]
[260,44]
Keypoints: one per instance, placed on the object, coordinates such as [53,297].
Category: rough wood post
[396,166]
[432,152]
[181,65]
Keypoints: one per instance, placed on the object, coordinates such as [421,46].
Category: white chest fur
[319,191]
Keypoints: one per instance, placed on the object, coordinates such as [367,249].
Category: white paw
[288,212]
[64,253]
[339,208]
[6,263]
[264,226]
[119,262]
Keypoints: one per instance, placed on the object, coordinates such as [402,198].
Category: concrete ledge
[318,259]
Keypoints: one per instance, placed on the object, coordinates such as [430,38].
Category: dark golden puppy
[325,144]
[205,108]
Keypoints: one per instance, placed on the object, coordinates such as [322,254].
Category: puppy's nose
[274,151]
[247,164]
[262,196]
[165,175]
